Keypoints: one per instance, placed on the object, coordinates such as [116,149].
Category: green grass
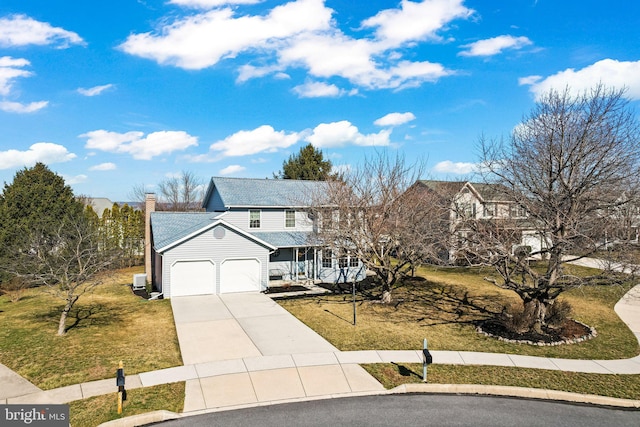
[443,307]
[96,410]
[621,386]
[106,326]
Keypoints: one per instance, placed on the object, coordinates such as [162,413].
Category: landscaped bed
[444,305]
[106,326]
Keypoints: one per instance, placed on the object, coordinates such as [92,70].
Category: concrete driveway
[236,326]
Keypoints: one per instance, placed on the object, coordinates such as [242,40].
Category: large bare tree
[368,213]
[182,192]
[572,166]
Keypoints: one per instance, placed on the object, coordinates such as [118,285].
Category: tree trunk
[62,324]
[536,311]
[386,297]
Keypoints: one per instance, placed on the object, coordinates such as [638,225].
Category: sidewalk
[261,379]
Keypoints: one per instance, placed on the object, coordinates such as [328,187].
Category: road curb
[521,392]
[142,419]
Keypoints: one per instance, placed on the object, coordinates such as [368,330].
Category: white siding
[206,247]
[270,220]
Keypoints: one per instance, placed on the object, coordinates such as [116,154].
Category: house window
[353,261]
[254,218]
[327,258]
[516,211]
[490,209]
[343,261]
[289,219]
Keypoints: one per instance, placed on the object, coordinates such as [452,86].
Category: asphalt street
[418,410]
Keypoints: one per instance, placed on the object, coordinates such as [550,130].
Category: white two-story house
[253,231]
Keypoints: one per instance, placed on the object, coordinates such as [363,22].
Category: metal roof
[248,192]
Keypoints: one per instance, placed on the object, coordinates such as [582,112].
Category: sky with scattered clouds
[122,93]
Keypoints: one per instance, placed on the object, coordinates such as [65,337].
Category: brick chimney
[149,206]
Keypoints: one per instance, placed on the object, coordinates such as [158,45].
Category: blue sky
[114,94]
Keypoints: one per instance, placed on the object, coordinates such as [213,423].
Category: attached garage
[240,275]
[193,278]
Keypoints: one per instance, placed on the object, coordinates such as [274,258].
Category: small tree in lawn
[572,165]
[308,164]
[48,239]
[369,214]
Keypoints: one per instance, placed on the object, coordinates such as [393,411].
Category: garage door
[193,278]
[239,275]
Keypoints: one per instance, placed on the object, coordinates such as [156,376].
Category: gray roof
[169,227]
[248,192]
[287,239]
[99,204]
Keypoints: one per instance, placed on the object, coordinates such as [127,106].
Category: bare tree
[572,166]
[369,214]
[68,261]
[181,193]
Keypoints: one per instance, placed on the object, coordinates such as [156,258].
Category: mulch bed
[141,293]
[570,331]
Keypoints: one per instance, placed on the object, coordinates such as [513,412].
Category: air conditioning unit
[139,281]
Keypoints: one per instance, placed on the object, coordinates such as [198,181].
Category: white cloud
[103,167]
[70,180]
[459,168]
[529,80]
[302,33]
[181,42]
[11,69]
[338,134]
[416,20]
[495,45]
[17,107]
[395,119]
[261,139]
[231,169]
[610,72]
[45,152]
[96,90]
[317,90]
[143,148]
[20,30]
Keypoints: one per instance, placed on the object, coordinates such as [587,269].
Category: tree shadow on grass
[85,316]
[429,304]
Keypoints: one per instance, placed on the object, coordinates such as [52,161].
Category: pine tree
[308,164]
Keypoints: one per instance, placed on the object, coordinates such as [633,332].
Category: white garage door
[239,275]
[193,278]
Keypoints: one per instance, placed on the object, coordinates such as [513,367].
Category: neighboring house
[99,204]
[253,231]
[482,202]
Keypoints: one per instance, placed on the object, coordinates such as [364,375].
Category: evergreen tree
[48,239]
[308,164]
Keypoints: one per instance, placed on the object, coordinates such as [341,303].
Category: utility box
[139,281]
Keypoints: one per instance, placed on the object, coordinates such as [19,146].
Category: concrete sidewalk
[14,385]
[280,377]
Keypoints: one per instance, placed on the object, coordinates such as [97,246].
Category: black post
[354,302]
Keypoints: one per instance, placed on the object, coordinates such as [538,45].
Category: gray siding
[215,203]
[206,247]
[270,220]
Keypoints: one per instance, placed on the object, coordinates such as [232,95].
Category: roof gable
[172,228]
[248,192]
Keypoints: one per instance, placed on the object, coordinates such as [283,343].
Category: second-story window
[289,218]
[254,218]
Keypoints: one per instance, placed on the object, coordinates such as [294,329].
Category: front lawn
[100,409]
[443,304]
[106,326]
[620,386]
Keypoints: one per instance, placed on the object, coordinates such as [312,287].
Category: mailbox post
[426,360]
[122,393]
